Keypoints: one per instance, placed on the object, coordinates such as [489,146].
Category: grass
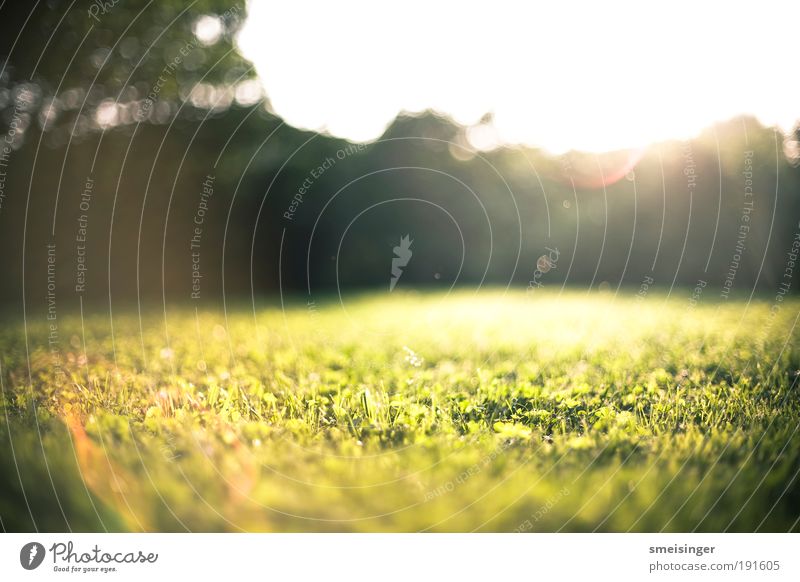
[406,412]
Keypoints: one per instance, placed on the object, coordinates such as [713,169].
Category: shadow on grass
[41,488]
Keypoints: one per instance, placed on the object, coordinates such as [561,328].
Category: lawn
[408,411]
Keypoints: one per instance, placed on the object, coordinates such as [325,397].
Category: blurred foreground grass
[408,412]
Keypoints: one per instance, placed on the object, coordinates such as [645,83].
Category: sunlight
[560,75]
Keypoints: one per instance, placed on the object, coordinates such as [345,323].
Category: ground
[490,411]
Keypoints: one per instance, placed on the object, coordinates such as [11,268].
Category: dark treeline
[156,201]
[190,199]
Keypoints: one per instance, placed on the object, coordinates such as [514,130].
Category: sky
[561,75]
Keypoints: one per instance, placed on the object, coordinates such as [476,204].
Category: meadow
[409,411]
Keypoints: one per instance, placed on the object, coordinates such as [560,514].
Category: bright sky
[594,75]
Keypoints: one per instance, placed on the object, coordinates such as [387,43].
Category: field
[404,412]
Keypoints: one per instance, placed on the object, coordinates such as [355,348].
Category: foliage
[73,68]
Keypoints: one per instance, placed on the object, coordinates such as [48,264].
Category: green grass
[406,412]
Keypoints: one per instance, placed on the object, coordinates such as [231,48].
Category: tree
[71,68]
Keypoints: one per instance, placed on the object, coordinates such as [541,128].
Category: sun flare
[560,75]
